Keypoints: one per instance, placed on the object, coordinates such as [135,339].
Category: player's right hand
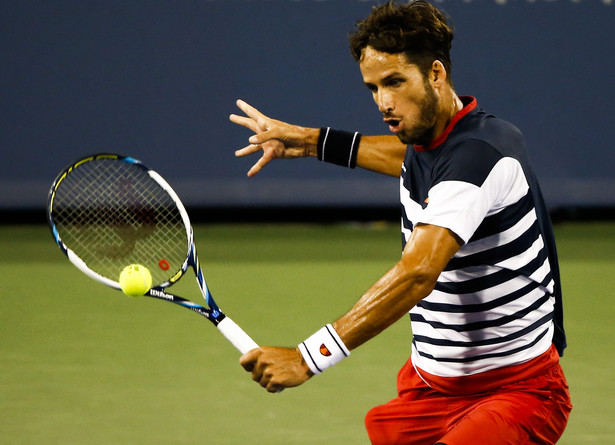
[276,368]
[277,139]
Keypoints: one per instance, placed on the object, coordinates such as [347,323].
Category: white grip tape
[323,349]
[236,335]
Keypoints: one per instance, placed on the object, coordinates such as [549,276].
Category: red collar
[471,104]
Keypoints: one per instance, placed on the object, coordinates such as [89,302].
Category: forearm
[389,299]
[381,154]
[280,140]
[413,278]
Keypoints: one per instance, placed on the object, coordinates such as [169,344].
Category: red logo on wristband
[324,351]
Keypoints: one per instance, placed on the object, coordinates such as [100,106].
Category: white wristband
[323,349]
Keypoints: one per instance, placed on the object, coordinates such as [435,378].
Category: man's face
[404,96]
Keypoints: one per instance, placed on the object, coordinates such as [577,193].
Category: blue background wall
[158,79]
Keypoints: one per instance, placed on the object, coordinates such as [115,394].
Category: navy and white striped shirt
[498,301]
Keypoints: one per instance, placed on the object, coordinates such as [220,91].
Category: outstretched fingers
[248,150]
[258,166]
[244,122]
[255,120]
[275,138]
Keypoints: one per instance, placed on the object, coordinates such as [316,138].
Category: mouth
[394,124]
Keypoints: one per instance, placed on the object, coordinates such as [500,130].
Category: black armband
[338,147]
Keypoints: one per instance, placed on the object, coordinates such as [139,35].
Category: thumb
[249,359]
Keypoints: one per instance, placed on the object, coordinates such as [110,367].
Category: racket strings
[112,213]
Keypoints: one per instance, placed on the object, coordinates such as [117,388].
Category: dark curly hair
[417,29]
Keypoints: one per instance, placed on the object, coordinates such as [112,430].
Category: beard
[422,132]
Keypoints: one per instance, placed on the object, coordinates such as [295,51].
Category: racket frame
[212,312]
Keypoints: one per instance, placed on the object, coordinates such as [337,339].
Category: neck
[450,105]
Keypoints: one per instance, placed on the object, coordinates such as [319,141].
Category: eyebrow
[385,79]
[392,75]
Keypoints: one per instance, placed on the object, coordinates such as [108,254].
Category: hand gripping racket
[107,211]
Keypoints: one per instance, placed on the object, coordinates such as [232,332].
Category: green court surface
[83,364]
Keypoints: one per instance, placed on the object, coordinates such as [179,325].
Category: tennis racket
[107,211]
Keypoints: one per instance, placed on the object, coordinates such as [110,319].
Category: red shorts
[525,404]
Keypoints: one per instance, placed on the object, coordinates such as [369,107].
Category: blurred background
[157,80]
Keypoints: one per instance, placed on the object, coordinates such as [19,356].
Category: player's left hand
[276,368]
[276,139]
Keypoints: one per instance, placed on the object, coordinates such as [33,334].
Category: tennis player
[478,273]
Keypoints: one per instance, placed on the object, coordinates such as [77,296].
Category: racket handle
[236,335]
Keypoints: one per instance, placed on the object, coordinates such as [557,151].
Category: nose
[385,102]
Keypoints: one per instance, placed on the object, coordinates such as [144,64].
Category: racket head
[107,211]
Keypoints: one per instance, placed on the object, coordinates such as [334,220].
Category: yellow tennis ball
[135,280]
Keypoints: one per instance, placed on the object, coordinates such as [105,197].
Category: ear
[438,74]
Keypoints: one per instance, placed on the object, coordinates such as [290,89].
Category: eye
[394,82]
